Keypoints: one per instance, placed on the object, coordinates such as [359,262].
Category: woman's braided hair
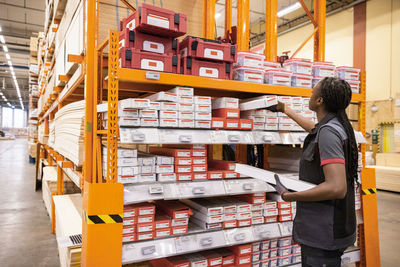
[336,94]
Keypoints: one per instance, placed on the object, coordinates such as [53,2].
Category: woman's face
[315,98]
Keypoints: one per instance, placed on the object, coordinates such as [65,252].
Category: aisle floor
[25,225]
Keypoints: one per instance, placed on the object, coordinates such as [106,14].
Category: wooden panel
[388,159]
[387,178]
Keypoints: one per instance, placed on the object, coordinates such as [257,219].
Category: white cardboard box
[225,102]
[163,96]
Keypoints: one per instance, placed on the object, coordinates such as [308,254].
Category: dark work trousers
[316,257]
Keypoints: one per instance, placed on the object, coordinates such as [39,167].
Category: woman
[325,222]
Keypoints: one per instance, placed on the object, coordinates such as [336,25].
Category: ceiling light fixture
[5,48]
[8,56]
[9,64]
[286,10]
[2,40]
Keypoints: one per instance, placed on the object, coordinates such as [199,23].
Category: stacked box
[207,58]
[127,165]
[243,254]
[222,169]
[285,210]
[275,252]
[249,67]
[257,201]
[138,222]
[350,75]
[147,39]
[178,213]
[226,115]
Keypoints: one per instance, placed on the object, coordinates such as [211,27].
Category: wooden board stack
[387,178]
[68,210]
[69,131]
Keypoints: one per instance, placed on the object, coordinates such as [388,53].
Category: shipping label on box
[199,153]
[230,217]
[199,175]
[258,119]
[232,124]
[201,100]
[184,176]
[154,105]
[128,121]
[217,123]
[215,174]
[183,169]
[149,122]
[202,108]
[199,160]
[258,126]
[166,177]
[185,99]
[169,123]
[183,161]
[164,168]
[202,116]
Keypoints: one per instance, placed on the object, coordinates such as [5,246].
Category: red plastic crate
[208,49]
[136,59]
[157,21]
[196,67]
[147,42]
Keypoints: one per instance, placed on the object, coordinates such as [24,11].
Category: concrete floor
[25,238]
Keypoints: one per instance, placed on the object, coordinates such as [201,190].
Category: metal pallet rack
[102,244]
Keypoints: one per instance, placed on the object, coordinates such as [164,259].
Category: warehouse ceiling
[286,23]
[19,20]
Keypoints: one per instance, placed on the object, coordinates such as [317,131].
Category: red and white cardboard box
[243,260]
[213,258]
[183,168]
[230,175]
[285,251]
[162,222]
[144,219]
[162,232]
[179,230]
[202,108]
[145,227]
[227,256]
[284,205]
[202,124]
[164,168]
[232,124]
[128,121]
[199,168]
[129,237]
[145,236]
[243,215]
[174,209]
[230,113]
[196,260]
[285,211]
[184,176]
[199,176]
[183,161]
[154,105]
[257,206]
[166,177]
[221,165]
[148,122]
[200,116]
[188,91]
[142,208]
[257,213]
[184,99]
[199,160]
[284,241]
[255,257]
[186,107]
[240,250]
[285,218]
[225,102]
[128,229]
[244,223]
[208,218]
[156,20]
[273,243]
[230,217]
[185,115]
[169,106]
[270,204]
[257,220]
[199,152]
[202,100]
[272,119]
[168,114]
[172,152]
[204,205]
[186,123]
[284,260]
[245,124]
[179,222]
[146,169]
[217,123]
[148,113]
[273,252]
[271,212]
[169,123]
[258,126]
[175,261]
[229,224]
[255,246]
[274,127]
[271,219]
[134,103]
[213,174]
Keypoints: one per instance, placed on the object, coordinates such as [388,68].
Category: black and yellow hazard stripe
[369,191]
[103,219]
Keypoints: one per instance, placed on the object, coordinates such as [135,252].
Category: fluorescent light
[217,15]
[9,63]
[5,48]
[287,10]
[0,29]
[8,56]
[2,39]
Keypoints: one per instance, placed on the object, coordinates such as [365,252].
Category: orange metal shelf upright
[102,244]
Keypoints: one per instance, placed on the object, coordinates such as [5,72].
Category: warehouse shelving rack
[102,244]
